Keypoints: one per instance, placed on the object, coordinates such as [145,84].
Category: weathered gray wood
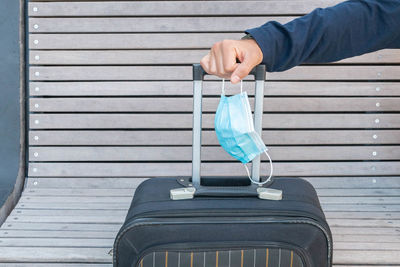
[210,169]
[363,223]
[102,73]
[60,227]
[381,246]
[366,257]
[156,24]
[364,231]
[51,254]
[128,40]
[165,137]
[59,242]
[172,104]
[176,121]
[68,212]
[80,192]
[67,219]
[374,182]
[357,240]
[148,153]
[128,57]
[184,88]
[175,8]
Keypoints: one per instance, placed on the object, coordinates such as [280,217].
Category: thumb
[243,69]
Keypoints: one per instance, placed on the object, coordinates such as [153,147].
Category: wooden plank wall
[111,93]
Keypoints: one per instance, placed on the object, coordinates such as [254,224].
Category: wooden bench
[110,102]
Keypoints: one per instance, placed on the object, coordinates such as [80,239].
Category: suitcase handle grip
[199,72]
[198,75]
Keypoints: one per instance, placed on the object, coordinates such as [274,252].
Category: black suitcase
[224,223]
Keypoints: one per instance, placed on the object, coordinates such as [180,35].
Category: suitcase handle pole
[198,75]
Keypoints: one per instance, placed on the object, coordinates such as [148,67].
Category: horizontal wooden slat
[80,192]
[210,169]
[175,8]
[147,153]
[177,121]
[276,104]
[37,254]
[139,57]
[61,227]
[374,182]
[155,24]
[57,242]
[102,73]
[164,137]
[130,192]
[185,88]
[128,40]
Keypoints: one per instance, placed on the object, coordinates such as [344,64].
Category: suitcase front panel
[265,257]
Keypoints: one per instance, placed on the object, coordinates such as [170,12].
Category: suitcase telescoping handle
[200,187]
[198,76]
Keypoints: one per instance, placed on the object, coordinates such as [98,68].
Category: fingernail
[235,79]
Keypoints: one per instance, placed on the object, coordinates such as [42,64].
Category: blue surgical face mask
[235,129]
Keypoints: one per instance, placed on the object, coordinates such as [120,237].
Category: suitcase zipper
[194,247]
[148,221]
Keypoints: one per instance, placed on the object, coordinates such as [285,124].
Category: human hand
[221,60]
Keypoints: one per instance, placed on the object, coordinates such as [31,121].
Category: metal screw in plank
[35,9]
[36,137]
[379,74]
[375,136]
[374,153]
[37,89]
[377,89]
[36,26]
[37,73]
[376,120]
[36,41]
[36,154]
[37,57]
[34,169]
[378,104]
[36,121]
[36,105]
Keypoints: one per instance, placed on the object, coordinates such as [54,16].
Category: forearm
[348,29]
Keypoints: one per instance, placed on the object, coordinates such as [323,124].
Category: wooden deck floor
[73,221]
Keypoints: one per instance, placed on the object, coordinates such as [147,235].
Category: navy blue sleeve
[325,35]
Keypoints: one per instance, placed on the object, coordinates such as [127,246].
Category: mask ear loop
[270,172]
[223,86]
[241,86]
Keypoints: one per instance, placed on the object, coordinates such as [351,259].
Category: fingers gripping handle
[198,76]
